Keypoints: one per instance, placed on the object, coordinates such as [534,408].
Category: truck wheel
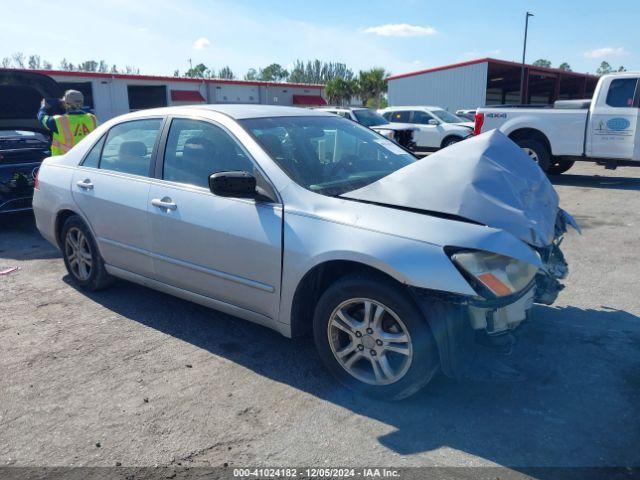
[537,151]
[373,338]
[81,256]
[560,167]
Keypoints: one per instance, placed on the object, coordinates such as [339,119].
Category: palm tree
[339,91]
[372,84]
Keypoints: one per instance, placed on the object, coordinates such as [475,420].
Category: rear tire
[560,167]
[384,350]
[537,151]
[81,256]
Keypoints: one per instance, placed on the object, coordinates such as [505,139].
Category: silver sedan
[308,223]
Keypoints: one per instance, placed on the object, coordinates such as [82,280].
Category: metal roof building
[487,81]
[110,95]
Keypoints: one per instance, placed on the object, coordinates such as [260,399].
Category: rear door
[111,187]
[227,249]
[614,121]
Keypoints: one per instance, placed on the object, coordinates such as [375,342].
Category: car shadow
[596,181]
[20,239]
[577,406]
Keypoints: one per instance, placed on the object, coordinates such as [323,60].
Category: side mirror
[433,121]
[233,184]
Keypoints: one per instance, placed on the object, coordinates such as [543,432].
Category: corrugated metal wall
[452,89]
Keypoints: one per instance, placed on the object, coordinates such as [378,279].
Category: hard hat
[73,98]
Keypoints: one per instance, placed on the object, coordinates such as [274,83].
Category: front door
[429,135]
[613,125]
[223,248]
[111,187]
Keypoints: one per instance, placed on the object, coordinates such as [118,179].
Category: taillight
[479,123]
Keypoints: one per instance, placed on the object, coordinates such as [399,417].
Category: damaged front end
[469,329]
[554,266]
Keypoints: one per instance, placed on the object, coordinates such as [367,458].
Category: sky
[161,36]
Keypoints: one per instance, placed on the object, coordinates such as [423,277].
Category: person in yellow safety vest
[69,128]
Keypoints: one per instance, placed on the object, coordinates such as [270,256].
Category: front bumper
[16,186]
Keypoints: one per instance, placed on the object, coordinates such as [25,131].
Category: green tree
[226,72]
[18,59]
[252,74]
[199,71]
[604,68]
[88,66]
[565,66]
[34,62]
[273,73]
[372,85]
[339,91]
[317,71]
[621,69]
[46,65]
[541,62]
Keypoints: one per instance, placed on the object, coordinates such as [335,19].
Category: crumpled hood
[487,179]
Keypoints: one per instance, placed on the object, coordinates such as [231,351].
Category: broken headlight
[500,275]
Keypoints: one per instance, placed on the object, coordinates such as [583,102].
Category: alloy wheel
[78,253]
[370,341]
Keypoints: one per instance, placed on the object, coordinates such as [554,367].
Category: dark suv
[24,143]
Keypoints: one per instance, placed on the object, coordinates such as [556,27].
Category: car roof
[413,107]
[235,111]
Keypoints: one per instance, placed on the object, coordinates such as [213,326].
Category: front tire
[560,167]
[373,338]
[81,256]
[447,142]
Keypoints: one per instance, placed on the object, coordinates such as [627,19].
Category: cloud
[400,30]
[201,43]
[606,52]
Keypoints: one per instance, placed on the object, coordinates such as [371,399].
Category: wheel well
[62,217]
[531,134]
[314,284]
[448,137]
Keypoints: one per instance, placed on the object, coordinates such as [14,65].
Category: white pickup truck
[603,130]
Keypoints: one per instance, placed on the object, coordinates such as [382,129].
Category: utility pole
[524,54]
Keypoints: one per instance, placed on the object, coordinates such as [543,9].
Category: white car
[436,128]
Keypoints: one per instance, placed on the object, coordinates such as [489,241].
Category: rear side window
[128,147]
[622,92]
[399,117]
[93,157]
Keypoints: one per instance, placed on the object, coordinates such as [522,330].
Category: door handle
[85,184]
[165,203]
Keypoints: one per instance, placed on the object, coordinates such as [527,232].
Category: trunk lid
[20,96]
[487,179]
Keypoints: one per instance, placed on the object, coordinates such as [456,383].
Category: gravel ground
[134,376]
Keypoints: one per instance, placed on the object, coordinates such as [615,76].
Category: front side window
[129,146]
[327,155]
[447,117]
[622,92]
[196,149]
[421,118]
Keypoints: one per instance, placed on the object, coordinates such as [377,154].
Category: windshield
[447,117]
[369,118]
[328,155]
